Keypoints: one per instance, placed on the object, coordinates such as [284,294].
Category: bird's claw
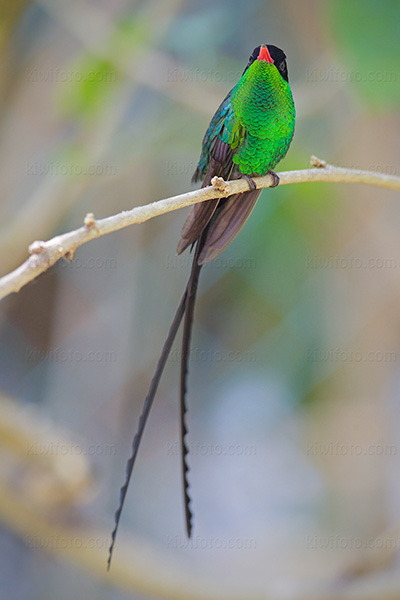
[275,177]
[250,181]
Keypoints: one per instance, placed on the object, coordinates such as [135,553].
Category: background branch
[46,254]
[49,518]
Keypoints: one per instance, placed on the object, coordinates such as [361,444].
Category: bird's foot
[251,182]
[275,177]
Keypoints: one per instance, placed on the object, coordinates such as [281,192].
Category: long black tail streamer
[187,329]
[145,413]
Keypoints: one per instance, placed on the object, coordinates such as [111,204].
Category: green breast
[263,120]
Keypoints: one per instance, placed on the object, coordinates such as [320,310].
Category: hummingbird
[249,134]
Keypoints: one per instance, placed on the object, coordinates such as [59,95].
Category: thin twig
[46,254]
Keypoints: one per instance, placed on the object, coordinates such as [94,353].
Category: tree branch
[46,254]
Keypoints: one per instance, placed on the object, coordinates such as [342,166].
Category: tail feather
[145,413]
[187,330]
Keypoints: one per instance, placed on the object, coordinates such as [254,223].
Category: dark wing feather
[227,221]
[221,140]
[220,165]
[214,132]
[196,222]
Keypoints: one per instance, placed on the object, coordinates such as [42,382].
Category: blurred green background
[294,374]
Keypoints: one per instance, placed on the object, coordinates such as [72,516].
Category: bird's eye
[282,66]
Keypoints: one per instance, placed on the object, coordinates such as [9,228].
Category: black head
[277,55]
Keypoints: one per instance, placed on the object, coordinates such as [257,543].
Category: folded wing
[228,220]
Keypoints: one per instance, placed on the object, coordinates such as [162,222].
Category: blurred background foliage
[294,376]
